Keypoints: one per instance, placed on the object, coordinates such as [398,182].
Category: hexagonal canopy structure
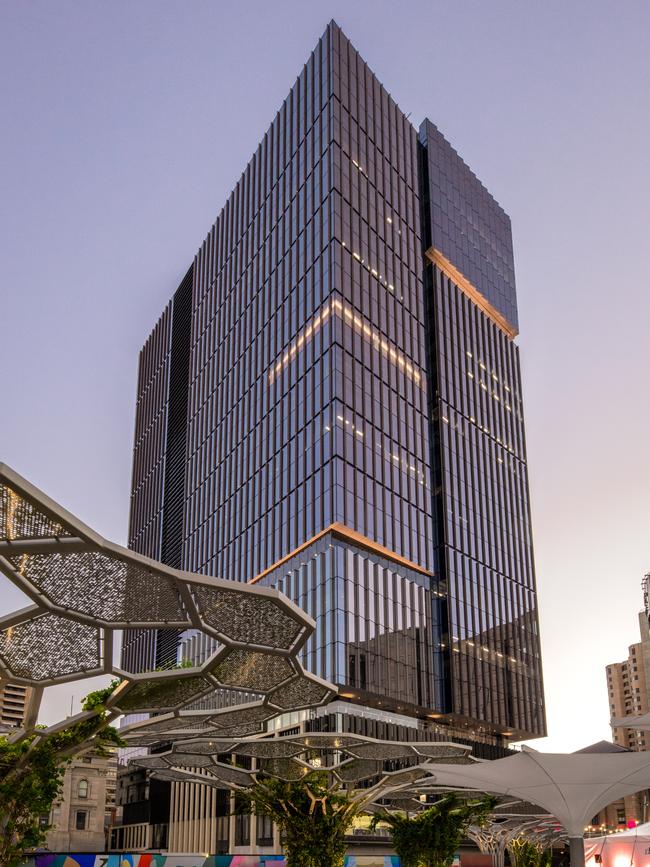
[85,589]
[291,757]
[369,782]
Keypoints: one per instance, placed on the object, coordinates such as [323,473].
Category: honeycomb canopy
[260,672]
[46,647]
[305,690]
[260,621]
[102,586]
[284,769]
[26,513]
[356,761]
[86,590]
[20,519]
[155,695]
[356,770]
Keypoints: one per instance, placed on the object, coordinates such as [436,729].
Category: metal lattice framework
[376,775]
[85,590]
[350,759]
[500,831]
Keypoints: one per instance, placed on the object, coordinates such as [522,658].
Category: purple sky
[125,126]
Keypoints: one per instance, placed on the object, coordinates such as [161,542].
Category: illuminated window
[82,789]
[361,326]
[359,258]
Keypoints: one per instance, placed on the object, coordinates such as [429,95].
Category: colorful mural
[147,860]
[371,861]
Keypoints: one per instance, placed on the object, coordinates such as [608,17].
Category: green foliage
[31,775]
[99,697]
[526,853]
[546,858]
[430,838]
[312,818]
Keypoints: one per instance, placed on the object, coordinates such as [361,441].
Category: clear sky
[125,126]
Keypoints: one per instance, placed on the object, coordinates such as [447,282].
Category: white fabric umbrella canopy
[638,723]
[573,787]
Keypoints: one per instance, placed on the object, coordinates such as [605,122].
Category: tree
[546,857]
[527,852]
[313,819]
[431,837]
[31,774]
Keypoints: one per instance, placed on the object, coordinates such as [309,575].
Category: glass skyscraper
[331,404]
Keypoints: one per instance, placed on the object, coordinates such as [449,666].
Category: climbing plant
[31,775]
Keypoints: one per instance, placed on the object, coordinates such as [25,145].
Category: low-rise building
[85,809]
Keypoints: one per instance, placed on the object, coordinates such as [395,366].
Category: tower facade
[14,702]
[628,687]
[330,404]
[484,567]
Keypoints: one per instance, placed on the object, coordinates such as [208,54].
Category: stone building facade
[79,819]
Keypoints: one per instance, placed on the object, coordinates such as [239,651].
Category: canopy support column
[577,851]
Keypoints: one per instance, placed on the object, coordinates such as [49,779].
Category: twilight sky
[126,125]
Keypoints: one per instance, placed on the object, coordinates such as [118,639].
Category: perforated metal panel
[260,622]
[300,692]
[86,589]
[102,586]
[247,669]
[49,648]
[21,519]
